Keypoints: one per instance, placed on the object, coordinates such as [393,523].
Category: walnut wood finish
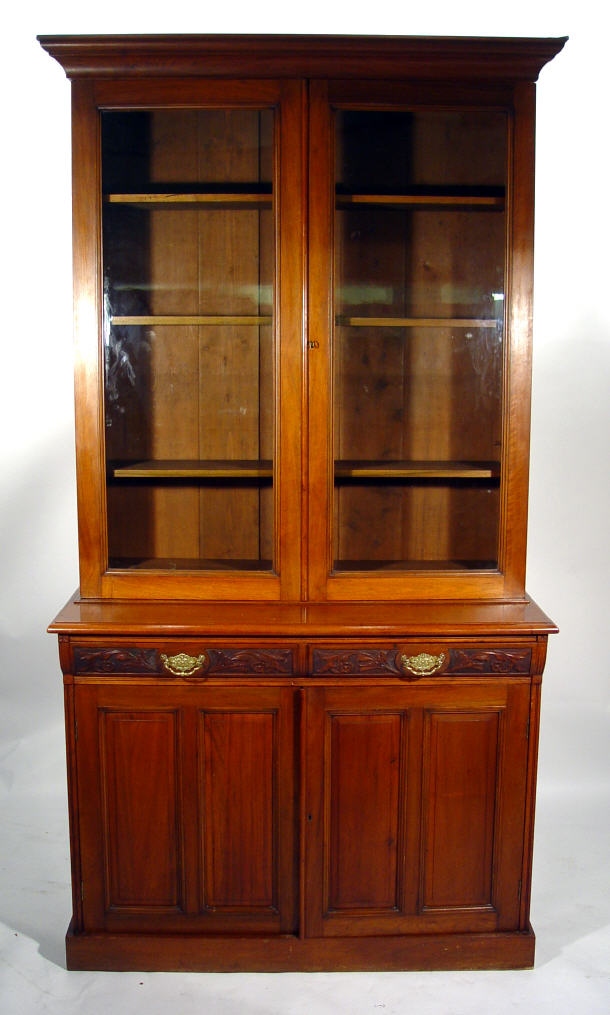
[329,764]
[301,56]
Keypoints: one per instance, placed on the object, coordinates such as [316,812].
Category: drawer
[412,661]
[186,659]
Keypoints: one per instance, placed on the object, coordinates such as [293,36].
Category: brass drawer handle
[183,665]
[421,665]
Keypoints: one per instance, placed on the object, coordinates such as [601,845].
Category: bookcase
[302,672]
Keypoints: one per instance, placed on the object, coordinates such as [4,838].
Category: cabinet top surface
[302,620]
[302,55]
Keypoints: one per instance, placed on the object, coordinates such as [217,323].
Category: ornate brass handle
[421,665]
[183,665]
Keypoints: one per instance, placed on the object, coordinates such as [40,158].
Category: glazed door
[199,331]
[410,328]
[186,808]
[415,808]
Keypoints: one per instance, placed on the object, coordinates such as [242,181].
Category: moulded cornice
[272,56]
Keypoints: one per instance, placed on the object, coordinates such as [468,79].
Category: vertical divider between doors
[305,133]
[319,338]
[292,269]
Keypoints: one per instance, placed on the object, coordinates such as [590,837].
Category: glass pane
[420,238]
[188,241]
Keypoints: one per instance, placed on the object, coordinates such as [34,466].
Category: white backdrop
[569,557]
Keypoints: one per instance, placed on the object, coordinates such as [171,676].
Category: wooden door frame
[508,582]
[89,97]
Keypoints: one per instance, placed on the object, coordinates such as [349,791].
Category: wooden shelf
[182,320]
[354,566]
[251,202]
[416,470]
[188,564]
[416,322]
[405,201]
[227,469]
[205,469]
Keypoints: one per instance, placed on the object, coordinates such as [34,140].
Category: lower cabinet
[309,814]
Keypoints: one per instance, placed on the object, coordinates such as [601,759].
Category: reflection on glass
[188,241]
[420,240]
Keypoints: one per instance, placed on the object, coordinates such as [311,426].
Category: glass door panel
[189,255]
[420,240]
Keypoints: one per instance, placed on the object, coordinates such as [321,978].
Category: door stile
[321,218]
[291,247]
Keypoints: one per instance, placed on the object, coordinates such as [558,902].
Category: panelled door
[186,808]
[415,808]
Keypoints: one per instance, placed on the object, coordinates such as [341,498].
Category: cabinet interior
[420,238]
[188,249]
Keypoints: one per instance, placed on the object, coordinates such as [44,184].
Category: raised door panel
[239,813]
[460,783]
[415,803]
[245,779]
[360,746]
[141,809]
[186,808]
[132,803]
[367,753]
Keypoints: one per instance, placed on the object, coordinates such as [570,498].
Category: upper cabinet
[303,285]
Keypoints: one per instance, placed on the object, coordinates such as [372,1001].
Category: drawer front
[183,659]
[415,661]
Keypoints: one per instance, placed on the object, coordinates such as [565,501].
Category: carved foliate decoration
[249,660]
[115,660]
[338,661]
[494,660]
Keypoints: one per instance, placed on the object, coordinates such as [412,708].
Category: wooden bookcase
[302,672]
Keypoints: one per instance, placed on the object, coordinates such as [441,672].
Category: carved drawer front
[412,662]
[188,660]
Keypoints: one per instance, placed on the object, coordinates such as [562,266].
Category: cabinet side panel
[363,799]
[72,773]
[140,799]
[460,763]
[237,805]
